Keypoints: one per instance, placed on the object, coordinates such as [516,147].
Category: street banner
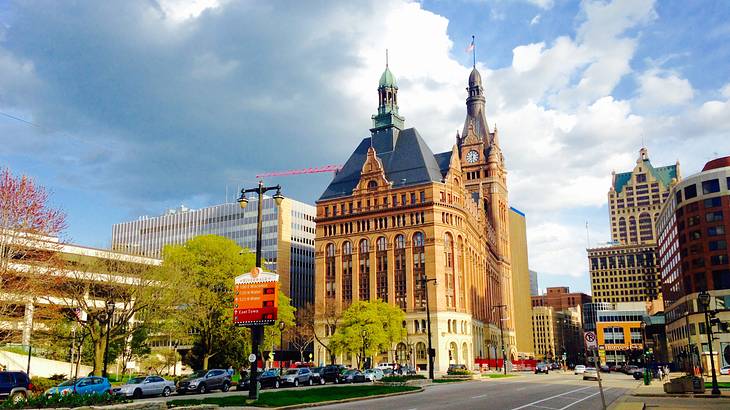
[256,300]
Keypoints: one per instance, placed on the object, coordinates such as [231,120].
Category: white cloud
[535,20]
[543,4]
[181,10]
[661,88]
[525,58]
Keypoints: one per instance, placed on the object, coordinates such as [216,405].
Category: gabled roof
[663,174]
[411,162]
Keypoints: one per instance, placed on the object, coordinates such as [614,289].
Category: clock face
[472,156]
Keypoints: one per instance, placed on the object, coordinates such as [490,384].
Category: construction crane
[316,170]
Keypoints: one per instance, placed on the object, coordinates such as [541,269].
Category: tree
[272,333]
[203,271]
[367,328]
[329,319]
[301,336]
[26,219]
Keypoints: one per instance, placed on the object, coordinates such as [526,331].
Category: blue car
[84,385]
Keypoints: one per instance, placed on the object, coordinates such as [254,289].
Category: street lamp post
[431,353]
[109,318]
[647,379]
[704,300]
[258,330]
[281,342]
[364,334]
[501,336]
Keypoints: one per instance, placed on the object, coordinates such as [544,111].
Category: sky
[124,109]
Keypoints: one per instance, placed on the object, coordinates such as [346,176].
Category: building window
[690,191]
[381,272]
[400,271]
[678,197]
[713,202]
[716,230]
[372,185]
[449,270]
[711,186]
[346,274]
[419,270]
[364,271]
[640,177]
[718,245]
[718,259]
[423,196]
[713,216]
[330,271]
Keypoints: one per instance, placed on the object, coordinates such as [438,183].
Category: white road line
[551,397]
[584,398]
[544,407]
[479,396]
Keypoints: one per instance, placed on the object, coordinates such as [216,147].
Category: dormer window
[372,185]
[640,177]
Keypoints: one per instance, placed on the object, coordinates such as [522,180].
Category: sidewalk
[656,389]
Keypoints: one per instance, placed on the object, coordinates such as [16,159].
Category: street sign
[256,299]
[251,358]
[590,340]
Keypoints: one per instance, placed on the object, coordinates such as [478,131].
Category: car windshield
[136,380]
[270,373]
[199,373]
[67,383]
[291,371]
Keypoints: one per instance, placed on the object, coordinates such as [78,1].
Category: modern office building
[288,237]
[544,323]
[521,284]
[590,314]
[625,270]
[694,230]
[534,286]
[619,330]
[397,214]
[561,298]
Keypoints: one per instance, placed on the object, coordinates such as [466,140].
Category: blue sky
[140,106]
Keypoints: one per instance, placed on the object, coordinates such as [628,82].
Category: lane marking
[479,396]
[584,398]
[551,397]
[544,407]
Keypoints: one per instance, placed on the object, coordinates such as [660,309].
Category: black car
[542,368]
[267,378]
[14,386]
[317,375]
[332,373]
[354,376]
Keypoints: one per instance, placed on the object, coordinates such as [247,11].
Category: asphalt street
[552,392]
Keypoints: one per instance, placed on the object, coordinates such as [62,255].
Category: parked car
[267,378]
[605,369]
[629,369]
[84,385]
[374,374]
[14,386]
[388,372]
[590,373]
[638,373]
[579,369]
[354,376]
[542,368]
[317,375]
[383,366]
[297,377]
[137,387]
[203,381]
[333,373]
[555,366]
[725,370]
[616,367]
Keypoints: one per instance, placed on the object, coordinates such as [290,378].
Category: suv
[15,386]
[297,377]
[332,373]
[203,381]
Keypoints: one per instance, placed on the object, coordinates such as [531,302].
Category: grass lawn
[722,385]
[498,375]
[450,380]
[296,396]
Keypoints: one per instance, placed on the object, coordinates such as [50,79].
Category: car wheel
[225,387]
[276,384]
[296,382]
[202,389]
[310,381]
[17,397]
[137,394]
[166,392]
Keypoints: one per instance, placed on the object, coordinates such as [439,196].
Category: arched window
[381,269]
[346,274]
[372,185]
[645,227]
[330,274]
[449,270]
[364,272]
[400,271]
[461,272]
[453,353]
[419,271]
[420,351]
[401,353]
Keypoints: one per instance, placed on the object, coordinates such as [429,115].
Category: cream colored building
[397,213]
[544,327]
[521,294]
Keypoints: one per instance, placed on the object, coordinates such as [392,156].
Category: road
[530,392]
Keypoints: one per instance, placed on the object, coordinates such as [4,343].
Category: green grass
[296,396]
[498,375]
[450,380]
[722,385]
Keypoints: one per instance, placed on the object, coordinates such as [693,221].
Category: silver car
[138,387]
[297,377]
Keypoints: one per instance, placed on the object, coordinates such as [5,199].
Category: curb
[686,396]
[353,399]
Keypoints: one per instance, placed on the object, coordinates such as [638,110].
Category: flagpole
[474,51]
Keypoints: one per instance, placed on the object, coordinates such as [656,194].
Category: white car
[383,366]
[725,370]
[590,373]
[373,374]
[580,369]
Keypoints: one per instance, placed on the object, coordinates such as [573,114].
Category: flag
[471,46]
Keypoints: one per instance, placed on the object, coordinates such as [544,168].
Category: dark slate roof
[411,162]
[443,159]
[663,174]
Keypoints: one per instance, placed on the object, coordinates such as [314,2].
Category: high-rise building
[521,283]
[626,270]
[534,286]
[590,314]
[561,298]
[397,214]
[288,237]
[619,330]
[544,323]
[694,230]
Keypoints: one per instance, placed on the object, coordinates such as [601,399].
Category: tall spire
[387,115]
[475,103]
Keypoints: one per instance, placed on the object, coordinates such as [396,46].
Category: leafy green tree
[368,327]
[203,270]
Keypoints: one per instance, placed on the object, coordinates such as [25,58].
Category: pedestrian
[230,370]
[660,373]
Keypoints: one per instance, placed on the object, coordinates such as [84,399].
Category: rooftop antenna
[588,236]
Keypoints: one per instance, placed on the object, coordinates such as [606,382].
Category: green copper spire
[387,115]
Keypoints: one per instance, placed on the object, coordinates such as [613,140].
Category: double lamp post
[257,331]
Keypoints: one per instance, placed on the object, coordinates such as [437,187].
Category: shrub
[68,400]
[459,372]
[41,384]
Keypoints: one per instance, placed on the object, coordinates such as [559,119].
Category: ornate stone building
[397,212]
